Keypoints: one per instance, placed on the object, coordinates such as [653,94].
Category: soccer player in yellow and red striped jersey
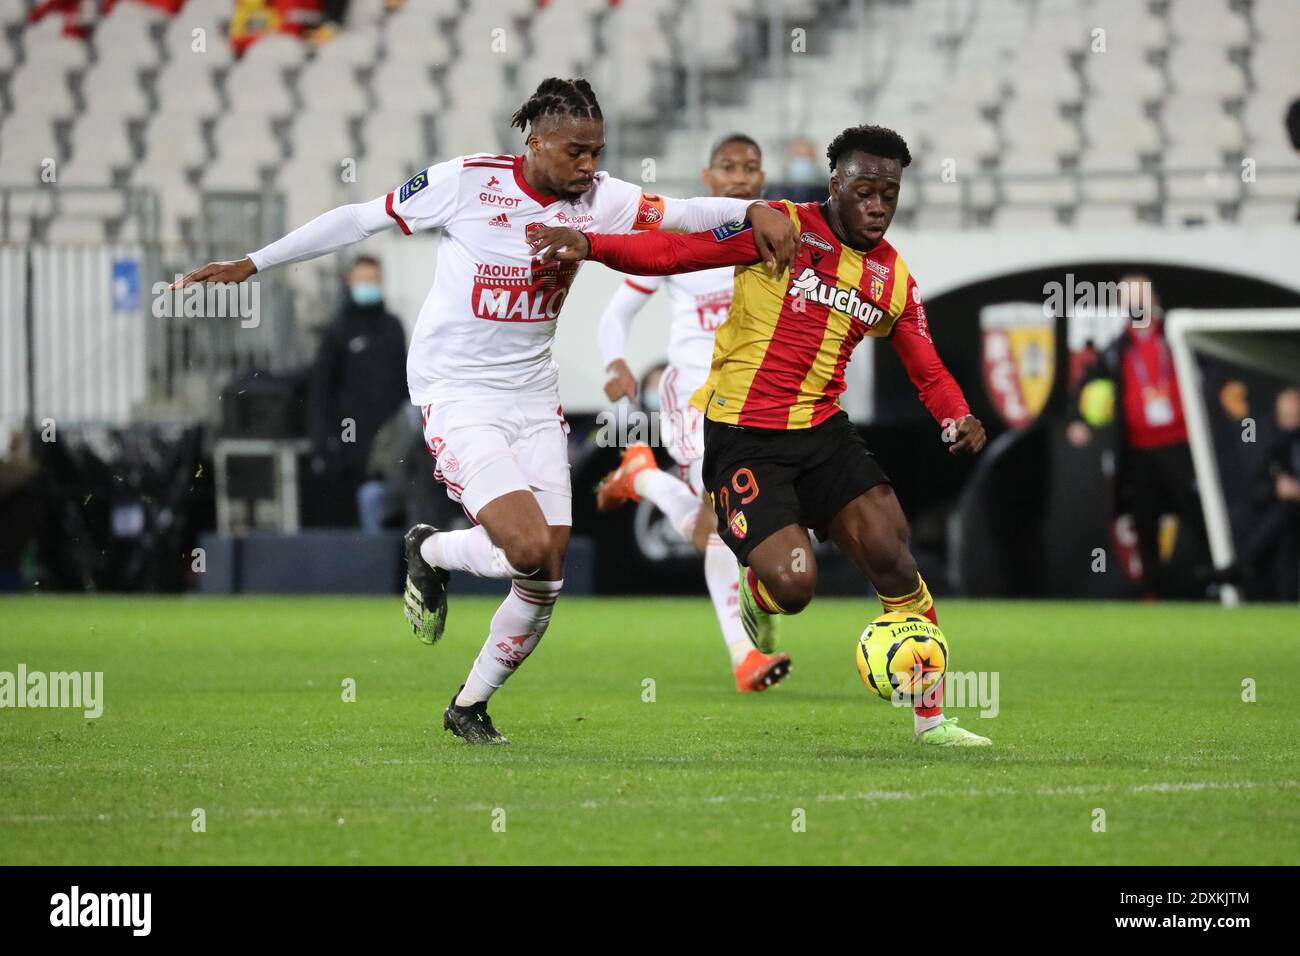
[781,456]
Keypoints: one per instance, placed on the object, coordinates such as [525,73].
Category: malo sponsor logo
[811,286]
[493,184]
[533,293]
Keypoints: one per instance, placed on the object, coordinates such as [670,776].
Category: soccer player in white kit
[480,364]
[700,302]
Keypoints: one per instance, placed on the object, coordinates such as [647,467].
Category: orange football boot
[759,671]
[616,489]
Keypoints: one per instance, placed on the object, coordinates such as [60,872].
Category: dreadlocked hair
[563,97]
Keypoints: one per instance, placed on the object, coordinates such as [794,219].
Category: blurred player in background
[700,301]
[781,456]
[480,364]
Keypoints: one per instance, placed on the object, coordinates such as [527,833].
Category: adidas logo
[500,220]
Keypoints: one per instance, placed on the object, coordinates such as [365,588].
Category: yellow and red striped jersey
[779,358]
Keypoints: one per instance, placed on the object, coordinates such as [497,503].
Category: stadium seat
[1268,212]
[187,30]
[399,138]
[176,139]
[1099,215]
[125,35]
[1196,122]
[76,230]
[1036,179]
[405,87]
[246,136]
[1274,66]
[1208,22]
[1114,176]
[113,88]
[334,87]
[26,141]
[322,133]
[37,89]
[1205,70]
[186,85]
[1027,217]
[101,138]
[254,86]
[231,173]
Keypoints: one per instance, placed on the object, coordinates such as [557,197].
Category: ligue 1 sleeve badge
[739,526]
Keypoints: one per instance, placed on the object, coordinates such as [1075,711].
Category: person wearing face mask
[358,380]
[1153,463]
[804,180]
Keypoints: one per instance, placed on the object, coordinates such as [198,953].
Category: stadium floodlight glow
[1267,340]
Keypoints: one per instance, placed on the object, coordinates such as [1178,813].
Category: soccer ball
[901,654]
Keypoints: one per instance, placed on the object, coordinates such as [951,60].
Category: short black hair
[733,138]
[563,97]
[876,140]
[366,261]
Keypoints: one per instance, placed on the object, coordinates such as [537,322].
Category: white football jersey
[489,319]
[699,302]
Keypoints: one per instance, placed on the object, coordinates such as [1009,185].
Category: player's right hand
[619,381]
[559,243]
[236,270]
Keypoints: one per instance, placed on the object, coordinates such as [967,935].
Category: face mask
[367,293]
[650,400]
[802,170]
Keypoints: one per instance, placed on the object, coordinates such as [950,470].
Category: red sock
[756,589]
[935,695]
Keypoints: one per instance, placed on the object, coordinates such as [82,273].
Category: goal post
[1266,340]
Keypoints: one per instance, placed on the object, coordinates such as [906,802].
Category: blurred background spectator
[1153,463]
[358,380]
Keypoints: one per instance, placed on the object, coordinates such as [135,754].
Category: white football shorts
[487,447]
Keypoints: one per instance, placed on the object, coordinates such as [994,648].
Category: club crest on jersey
[730,229]
[649,212]
[739,525]
[413,185]
[814,289]
[877,288]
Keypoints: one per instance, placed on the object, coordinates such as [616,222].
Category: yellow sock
[918,602]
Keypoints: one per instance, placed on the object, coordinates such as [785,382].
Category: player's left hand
[775,236]
[559,243]
[970,436]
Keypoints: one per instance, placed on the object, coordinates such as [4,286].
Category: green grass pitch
[235,707]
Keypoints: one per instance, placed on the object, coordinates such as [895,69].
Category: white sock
[723,577]
[921,724]
[469,550]
[670,495]
[517,626]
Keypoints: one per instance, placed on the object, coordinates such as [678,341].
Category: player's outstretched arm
[653,253]
[938,390]
[775,236]
[326,233]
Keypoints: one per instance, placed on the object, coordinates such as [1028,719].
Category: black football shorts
[762,479]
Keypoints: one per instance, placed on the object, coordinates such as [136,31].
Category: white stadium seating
[1056,113]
